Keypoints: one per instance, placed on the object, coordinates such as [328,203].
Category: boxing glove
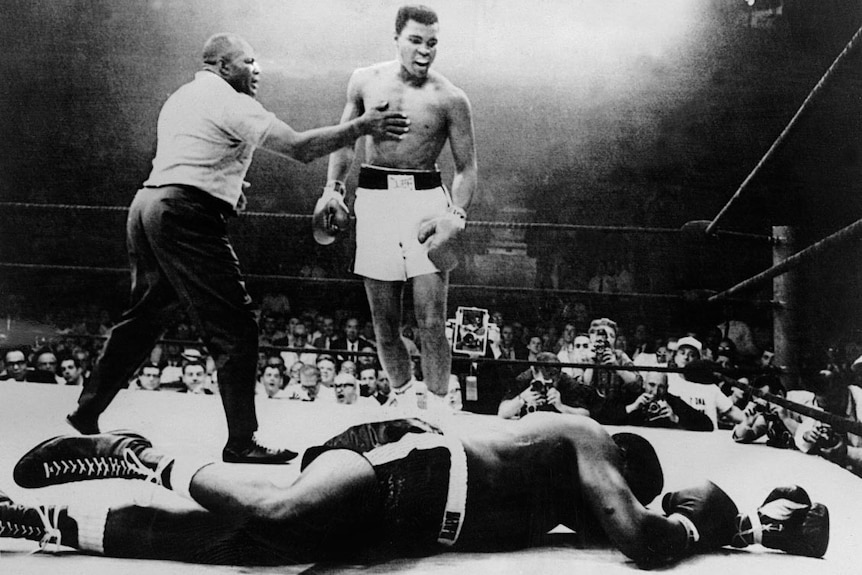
[707,513]
[442,234]
[788,521]
[331,215]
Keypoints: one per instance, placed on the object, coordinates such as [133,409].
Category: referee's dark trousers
[181,258]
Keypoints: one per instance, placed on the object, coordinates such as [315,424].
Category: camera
[653,408]
[830,438]
[470,331]
[539,386]
[599,348]
[777,433]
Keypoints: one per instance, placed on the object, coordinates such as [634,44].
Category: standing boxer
[180,253]
[406,221]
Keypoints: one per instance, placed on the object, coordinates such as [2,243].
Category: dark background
[631,113]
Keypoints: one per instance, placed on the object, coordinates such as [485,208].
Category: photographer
[544,387]
[655,407]
[833,394]
[764,418]
[616,389]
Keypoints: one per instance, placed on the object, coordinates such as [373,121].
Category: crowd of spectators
[330,357]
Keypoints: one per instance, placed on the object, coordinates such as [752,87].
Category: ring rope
[838,422]
[455,357]
[349,281]
[470,223]
[790,125]
[50,206]
[842,235]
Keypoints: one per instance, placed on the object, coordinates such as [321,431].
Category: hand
[383,125]
[530,396]
[757,407]
[828,437]
[711,516]
[600,355]
[608,357]
[822,436]
[787,520]
[642,401]
[331,216]
[772,409]
[830,444]
[665,412]
[457,216]
[836,453]
[736,395]
[812,435]
[554,398]
[242,203]
[334,190]
[448,226]
[442,236]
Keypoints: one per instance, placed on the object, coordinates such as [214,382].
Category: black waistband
[371,178]
[202,197]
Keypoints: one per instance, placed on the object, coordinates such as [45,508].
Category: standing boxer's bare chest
[424,105]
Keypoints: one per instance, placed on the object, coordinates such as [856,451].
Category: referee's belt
[371,178]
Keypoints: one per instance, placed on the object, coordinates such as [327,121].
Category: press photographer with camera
[655,407]
[833,393]
[544,387]
[765,418]
[616,389]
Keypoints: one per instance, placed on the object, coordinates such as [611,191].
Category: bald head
[223,45]
[16,365]
[232,58]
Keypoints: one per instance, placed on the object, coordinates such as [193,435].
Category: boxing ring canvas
[193,424]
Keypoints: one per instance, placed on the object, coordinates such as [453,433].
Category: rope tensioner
[696,230]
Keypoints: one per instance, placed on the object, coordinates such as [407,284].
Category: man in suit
[494,379]
[350,340]
[327,333]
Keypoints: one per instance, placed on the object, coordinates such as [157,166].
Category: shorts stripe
[456,500]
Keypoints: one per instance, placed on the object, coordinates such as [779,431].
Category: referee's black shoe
[83,424]
[250,451]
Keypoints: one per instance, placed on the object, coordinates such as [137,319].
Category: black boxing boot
[67,458]
[49,525]
[789,521]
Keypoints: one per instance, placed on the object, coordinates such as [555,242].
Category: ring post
[785,320]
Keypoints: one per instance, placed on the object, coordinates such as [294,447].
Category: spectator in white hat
[698,384]
[688,349]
